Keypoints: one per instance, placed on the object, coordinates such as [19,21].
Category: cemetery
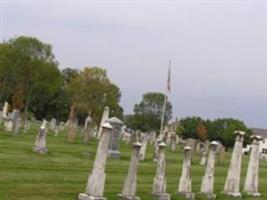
[133,100]
[38,164]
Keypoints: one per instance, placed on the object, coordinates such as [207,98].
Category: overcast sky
[218,49]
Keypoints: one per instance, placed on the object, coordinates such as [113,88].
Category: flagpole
[164,104]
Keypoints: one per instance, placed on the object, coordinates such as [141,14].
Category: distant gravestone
[5,110]
[88,129]
[17,126]
[52,124]
[1,116]
[40,141]
[104,117]
[232,183]
[113,148]
[173,141]
[142,154]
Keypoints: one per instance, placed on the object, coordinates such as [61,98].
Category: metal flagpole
[165,101]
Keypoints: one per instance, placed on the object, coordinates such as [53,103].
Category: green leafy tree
[91,90]
[147,114]
[224,131]
[30,72]
[192,127]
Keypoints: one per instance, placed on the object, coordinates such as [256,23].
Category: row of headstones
[96,180]
[11,121]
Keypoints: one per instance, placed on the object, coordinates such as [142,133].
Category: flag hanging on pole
[169,78]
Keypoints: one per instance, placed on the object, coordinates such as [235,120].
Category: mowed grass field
[62,173]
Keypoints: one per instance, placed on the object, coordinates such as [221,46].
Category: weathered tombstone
[173,141]
[27,126]
[113,148]
[129,187]
[185,183]
[105,116]
[153,138]
[221,152]
[208,179]
[96,181]
[71,124]
[88,129]
[203,159]
[40,141]
[143,148]
[5,110]
[156,150]
[17,126]
[252,178]
[191,142]
[9,123]
[232,182]
[56,131]
[168,138]
[52,124]
[62,126]
[198,146]
[1,117]
[159,184]
[14,119]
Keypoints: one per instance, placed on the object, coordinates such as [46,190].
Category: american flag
[169,78]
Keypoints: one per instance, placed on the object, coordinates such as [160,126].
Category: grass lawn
[62,173]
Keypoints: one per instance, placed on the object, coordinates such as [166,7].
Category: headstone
[9,123]
[159,184]
[168,138]
[96,181]
[52,124]
[208,179]
[17,126]
[142,154]
[203,159]
[191,142]
[113,148]
[232,182]
[221,152]
[173,141]
[5,110]
[252,178]
[14,119]
[27,126]
[129,187]
[62,126]
[56,131]
[156,149]
[40,141]
[88,129]
[1,117]
[105,116]
[185,183]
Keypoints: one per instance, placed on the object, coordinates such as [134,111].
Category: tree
[28,72]
[147,114]
[192,127]
[220,129]
[91,90]
[224,131]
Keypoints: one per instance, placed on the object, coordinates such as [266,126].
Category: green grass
[62,173]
